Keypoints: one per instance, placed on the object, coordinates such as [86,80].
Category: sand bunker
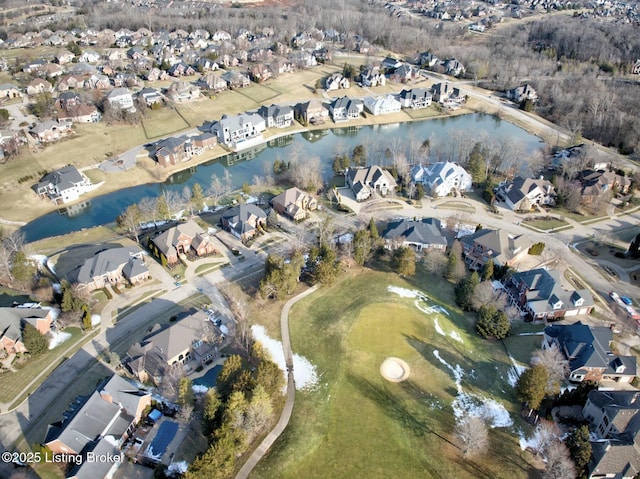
[394,370]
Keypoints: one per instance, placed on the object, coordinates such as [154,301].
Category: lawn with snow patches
[57,338]
[304,373]
[422,303]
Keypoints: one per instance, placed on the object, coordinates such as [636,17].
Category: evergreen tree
[212,404]
[67,303]
[362,245]
[162,208]
[419,192]
[536,249]
[531,386]
[185,392]
[477,164]
[487,270]
[492,323]
[86,317]
[228,374]
[21,268]
[269,376]
[464,290]
[359,156]
[326,264]
[373,229]
[579,447]
[34,341]
[404,261]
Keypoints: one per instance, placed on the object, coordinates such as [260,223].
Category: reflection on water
[75,209]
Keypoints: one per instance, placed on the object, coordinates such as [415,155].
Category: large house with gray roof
[184,239]
[442,178]
[345,109]
[239,131]
[191,338]
[64,185]
[294,204]
[614,421]
[540,295]
[99,426]
[366,181]
[522,194]
[422,234]
[276,116]
[503,248]
[109,267]
[243,221]
[588,350]
[12,322]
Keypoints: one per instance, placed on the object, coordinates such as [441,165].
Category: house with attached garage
[63,185]
[184,239]
[180,91]
[38,86]
[239,131]
[415,98]
[522,194]
[539,294]
[312,112]
[12,323]
[99,427]
[614,422]
[9,90]
[444,93]
[366,181]
[442,178]
[382,105]
[371,77]
[213,81]
[524,92]
[192,338]
[243,221]
[276,116]
[110,266]
[79,114]
[336,82]
[588,351]
[345,109]
[424,234]
[121,99]
[503,248]
[294,204]
[151,96]
[235,79]
[50,130]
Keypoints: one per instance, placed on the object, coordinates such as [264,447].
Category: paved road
[268,441]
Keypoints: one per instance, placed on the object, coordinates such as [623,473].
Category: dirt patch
[395,370]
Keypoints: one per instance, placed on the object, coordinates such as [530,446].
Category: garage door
[571,313]
[583,311]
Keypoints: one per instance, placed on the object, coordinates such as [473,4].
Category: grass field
[163,122]
[546,223]
[355,423]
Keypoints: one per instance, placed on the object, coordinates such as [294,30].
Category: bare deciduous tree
[485,295]
[435,261]
[556,365]
[240,310]
[559,463]
[473,433]
[546,435]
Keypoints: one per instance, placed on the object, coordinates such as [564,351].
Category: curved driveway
[268,441]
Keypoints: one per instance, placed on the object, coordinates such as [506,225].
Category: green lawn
[546,223]
[14,382]
[355,423]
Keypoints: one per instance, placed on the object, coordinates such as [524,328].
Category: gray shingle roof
[425,232]
[104,262]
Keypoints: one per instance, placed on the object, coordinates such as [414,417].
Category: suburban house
[121,99]
[444,93]
[12,321]
[588,350]
[336,82]
[415,98]
[382,105]
[276,116]
[312,112]
[372,77]
[442,178]
[239,131]
[365,181]
[595,184]
[9,90]
[184,239]
[453,67]
[345,109]
[50,130]
[243,221]
[81,113]
[111,266]
[294,204]
[151,96]
[539,293]
[390,63]
[191,338]
[522,194]
[426,59]
[424,234]
[213,81]
[521,93]
[173,150]
[63,185]
[404,74]
[614,420]
[38,85]
[180,91]
[235,79]
[101,425]
[485,244]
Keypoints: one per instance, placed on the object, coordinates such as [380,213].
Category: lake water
[243,166]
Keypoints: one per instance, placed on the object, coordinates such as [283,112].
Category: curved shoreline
[160,175]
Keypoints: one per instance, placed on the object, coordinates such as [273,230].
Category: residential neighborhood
[234,231]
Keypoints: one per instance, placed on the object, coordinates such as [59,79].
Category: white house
[336,82]
[524,92]
[239,131]
[64,185]
[277,116]
[382,105]
[442,178]
[344,109]
[365,181]
[415,98]
[121,99]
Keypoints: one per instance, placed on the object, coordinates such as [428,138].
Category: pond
[322,144]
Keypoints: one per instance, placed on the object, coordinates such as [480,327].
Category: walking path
[268,441]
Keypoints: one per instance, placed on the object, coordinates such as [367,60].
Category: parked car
[626,300]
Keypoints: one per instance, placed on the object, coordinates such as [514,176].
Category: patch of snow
[514,373]
[111,440]
[439,330]
[95,319]
[304,372]
[224,329]
[57,338]
[540,333]
[404,292]
[251,200]
[456,336]
[179,467]
[467,404]
[199,389]
[39,258]
[149,453]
